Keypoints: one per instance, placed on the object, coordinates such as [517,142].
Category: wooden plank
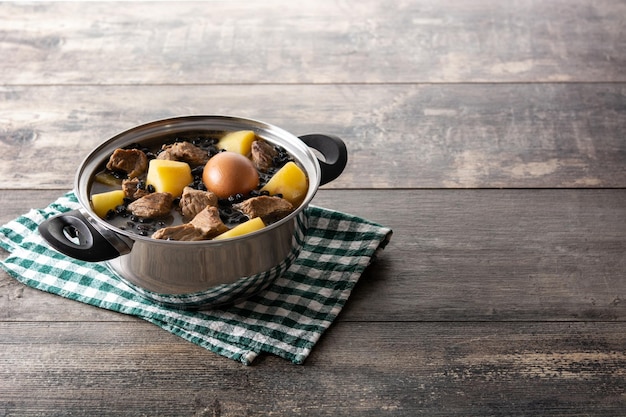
[353,41]
[398,136]
[370,369]
[488,255]
[493,255]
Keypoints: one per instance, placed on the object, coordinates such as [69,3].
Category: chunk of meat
[152,206]
[186,232]
[134,188]
[209,221]
[269,209]
[263,155]
[194,201]
[131,161]
[184,152]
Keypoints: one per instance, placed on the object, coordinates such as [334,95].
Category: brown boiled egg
[229,173]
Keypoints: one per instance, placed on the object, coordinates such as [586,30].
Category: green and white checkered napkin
[286,319]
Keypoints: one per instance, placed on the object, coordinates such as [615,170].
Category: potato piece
[239,141]
[168,176]
[290,181]
[242,229]
[103,202]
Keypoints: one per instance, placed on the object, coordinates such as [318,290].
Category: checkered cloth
[286,319]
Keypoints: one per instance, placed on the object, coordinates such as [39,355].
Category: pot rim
[305,157]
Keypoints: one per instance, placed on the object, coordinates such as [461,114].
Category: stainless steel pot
[194,274]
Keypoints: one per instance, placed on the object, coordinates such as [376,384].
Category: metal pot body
[211,275]
[194,274]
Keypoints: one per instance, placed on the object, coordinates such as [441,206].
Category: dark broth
[205,140]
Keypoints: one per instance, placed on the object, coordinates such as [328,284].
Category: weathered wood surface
[280,41]
[462,255]
[488,135]
[399,136]
[417,368]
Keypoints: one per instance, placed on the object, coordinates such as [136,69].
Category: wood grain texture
[488,135]
[373,369]
[279,41]
[483,255]
[398,136]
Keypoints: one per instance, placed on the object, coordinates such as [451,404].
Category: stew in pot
[206,185]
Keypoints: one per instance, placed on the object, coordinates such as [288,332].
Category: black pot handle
[72,234]
[334,151]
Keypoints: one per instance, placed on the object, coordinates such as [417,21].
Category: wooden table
[488,135]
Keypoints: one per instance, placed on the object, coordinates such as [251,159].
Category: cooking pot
[194,274]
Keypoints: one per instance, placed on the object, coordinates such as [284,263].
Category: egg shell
[229,173]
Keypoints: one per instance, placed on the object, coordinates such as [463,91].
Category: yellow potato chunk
[242,229]
[290,181]
[239,141]
[168,176]
[103,202]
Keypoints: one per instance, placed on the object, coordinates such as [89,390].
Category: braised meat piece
[184,152]
[209,221]
[205,225]
[194,201]
[269,209]
[152,206]
[186,232]
[131,161]
[263,155]
[134,188]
